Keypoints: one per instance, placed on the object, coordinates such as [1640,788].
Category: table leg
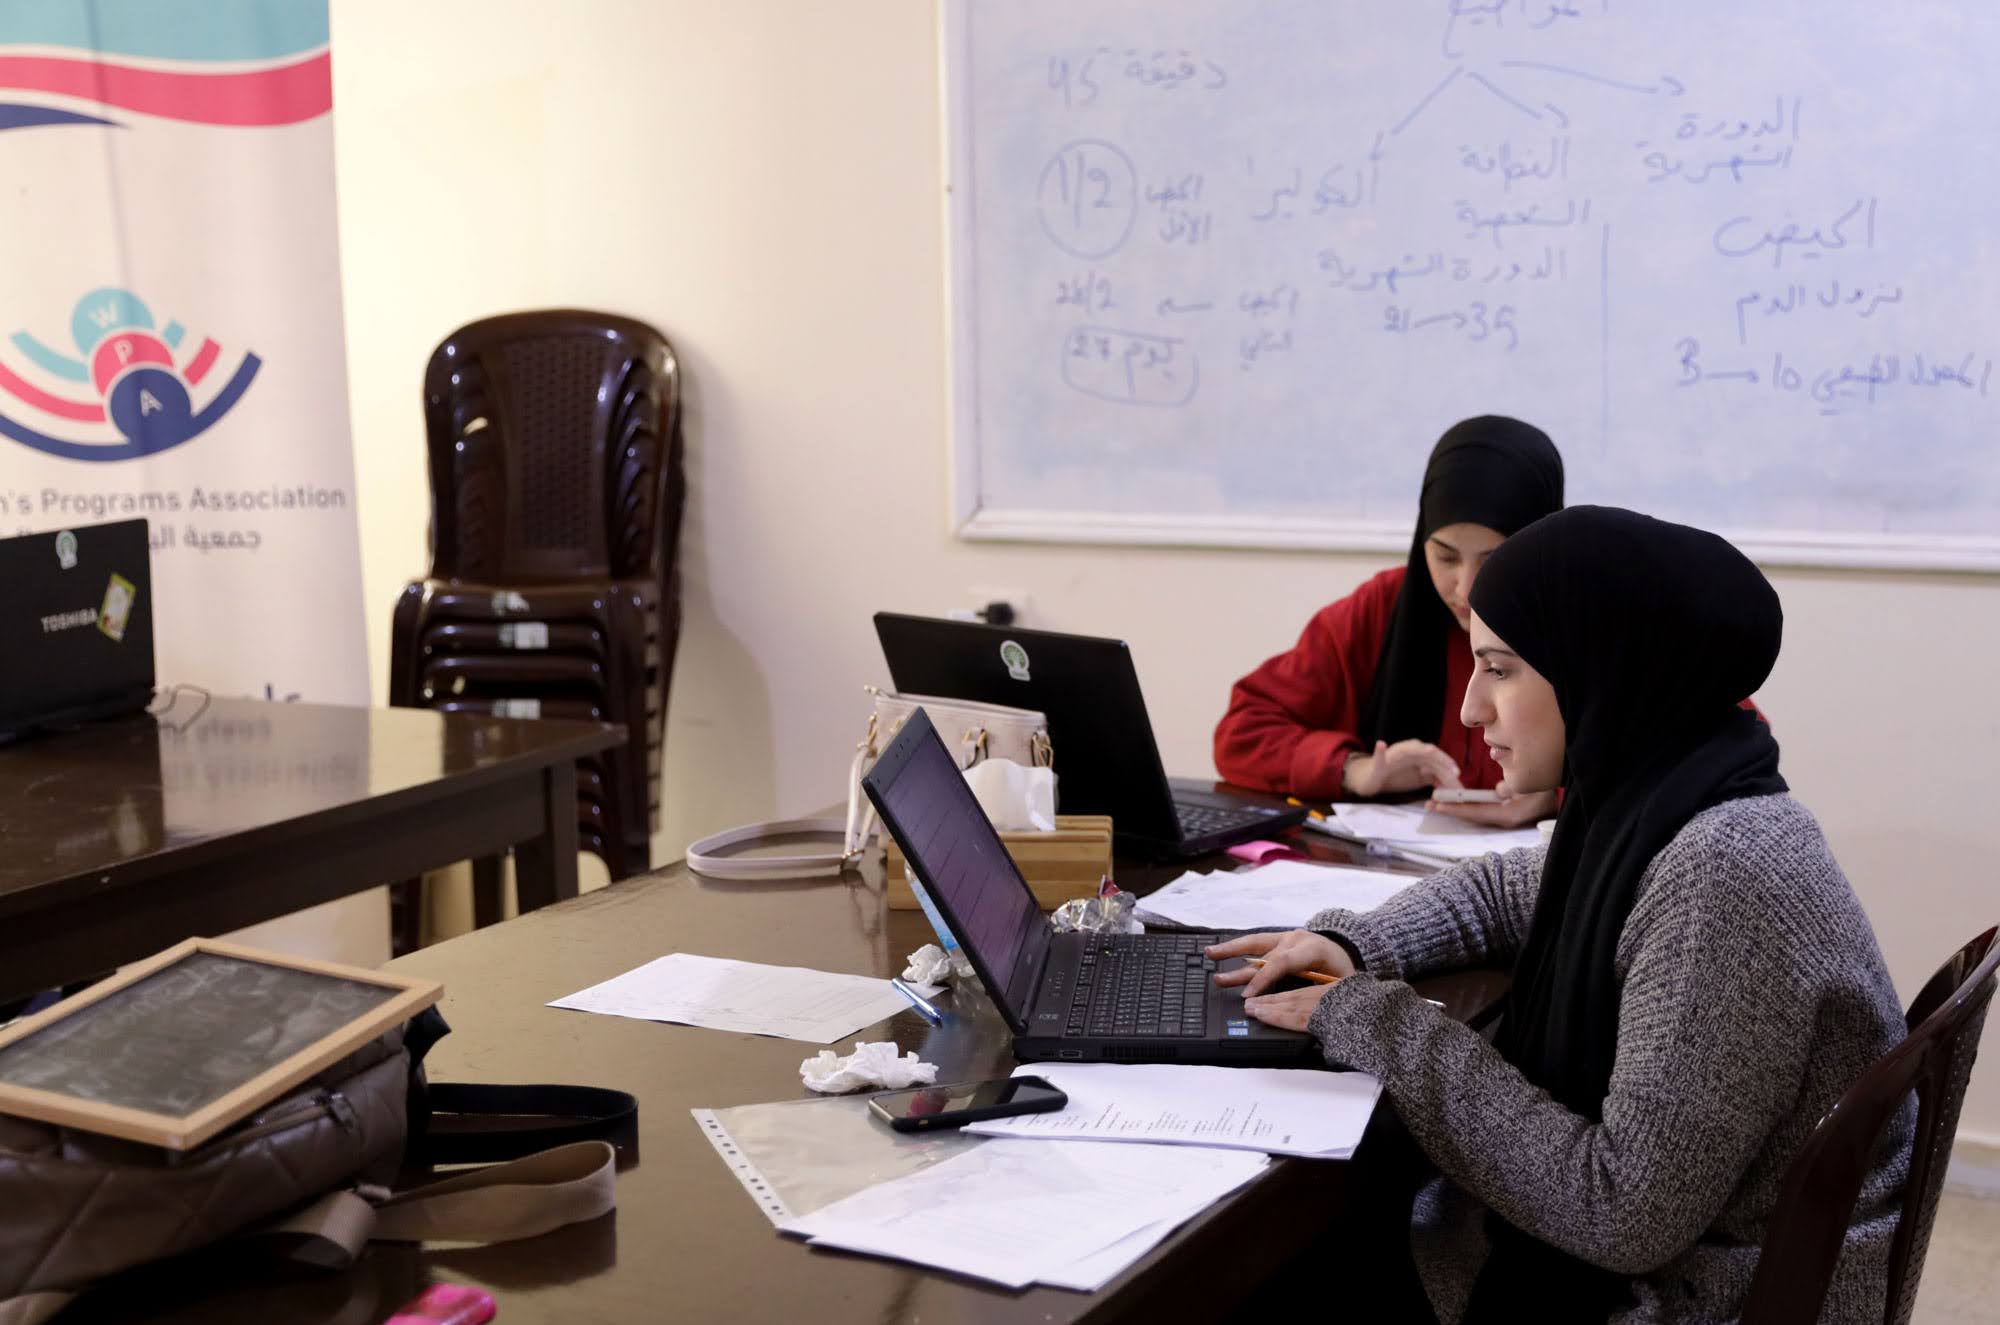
[489,891]
[545,866]
[406,916]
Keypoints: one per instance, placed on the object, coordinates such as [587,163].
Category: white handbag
[973,731]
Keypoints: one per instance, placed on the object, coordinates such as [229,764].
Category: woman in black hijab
[1694,984]
[1366,703]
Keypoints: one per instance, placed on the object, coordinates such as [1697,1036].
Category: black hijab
[1491,471]
[1651,633]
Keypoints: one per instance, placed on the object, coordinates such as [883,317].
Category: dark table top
[118,800]
[686,1242]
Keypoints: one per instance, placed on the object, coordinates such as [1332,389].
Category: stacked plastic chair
[556,496]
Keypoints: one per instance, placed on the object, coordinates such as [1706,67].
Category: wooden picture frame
[286,1044]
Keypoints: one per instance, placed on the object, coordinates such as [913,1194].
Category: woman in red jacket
[1366,704]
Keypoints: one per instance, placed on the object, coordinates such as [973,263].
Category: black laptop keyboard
[1207,820]
[1142,984]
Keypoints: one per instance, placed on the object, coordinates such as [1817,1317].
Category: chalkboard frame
[410,996]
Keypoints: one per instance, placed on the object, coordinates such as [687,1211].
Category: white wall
[762,180]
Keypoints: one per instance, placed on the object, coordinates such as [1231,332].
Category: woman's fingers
[1413,764]
[1515,812]
[1290,1010]
[1248,945]
[1291,954]
[1491,816]
[1280,954]
[1274,969]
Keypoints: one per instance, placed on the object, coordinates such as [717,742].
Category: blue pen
[922,1005]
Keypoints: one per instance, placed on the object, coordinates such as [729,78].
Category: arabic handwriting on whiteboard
[1746,236]
[1082,77]
[1843,386]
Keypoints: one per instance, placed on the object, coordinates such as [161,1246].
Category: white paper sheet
[1092,1272]
[1280,1111]
[788,1001]
[1284,894]
[1426,831]
[1013,1212]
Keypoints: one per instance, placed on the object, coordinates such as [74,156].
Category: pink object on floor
[446,1304]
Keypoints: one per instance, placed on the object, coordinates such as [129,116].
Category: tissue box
[1059,866]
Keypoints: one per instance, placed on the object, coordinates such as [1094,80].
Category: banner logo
[232,65]
[143,397]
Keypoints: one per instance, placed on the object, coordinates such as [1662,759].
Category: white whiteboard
[1222,270]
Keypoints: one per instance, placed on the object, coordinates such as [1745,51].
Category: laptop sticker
[1016,659]
[66,550]
[117,610]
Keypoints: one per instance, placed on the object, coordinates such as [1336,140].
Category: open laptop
[1124,998]
[1106,758]
[76,626]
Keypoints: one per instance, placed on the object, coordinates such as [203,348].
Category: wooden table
[686,1243]
[124,837]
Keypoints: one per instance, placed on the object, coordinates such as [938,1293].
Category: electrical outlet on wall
[984,600]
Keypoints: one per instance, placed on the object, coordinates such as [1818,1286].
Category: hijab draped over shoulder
[1651,633]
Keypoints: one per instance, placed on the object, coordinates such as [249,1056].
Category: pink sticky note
[1262,852]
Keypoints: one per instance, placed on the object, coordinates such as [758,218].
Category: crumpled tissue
[932,965]
[1018,799]
[1110,913]
[872,1065]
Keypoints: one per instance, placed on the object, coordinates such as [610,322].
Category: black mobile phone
[927,1107]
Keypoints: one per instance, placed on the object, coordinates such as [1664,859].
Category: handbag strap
[481,1124]
[706,856]
[33,1308]
[499,1203]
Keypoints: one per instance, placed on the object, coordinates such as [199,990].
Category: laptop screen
[1087,687]
[76,625]
[948,840]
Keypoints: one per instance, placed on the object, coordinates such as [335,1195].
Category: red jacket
[1291,723]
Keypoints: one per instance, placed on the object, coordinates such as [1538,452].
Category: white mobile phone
[1464,796]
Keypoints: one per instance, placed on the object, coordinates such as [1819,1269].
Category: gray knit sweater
[1753,996]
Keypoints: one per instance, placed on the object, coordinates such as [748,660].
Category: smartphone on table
[929,1107]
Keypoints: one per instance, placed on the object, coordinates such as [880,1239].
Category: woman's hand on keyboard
[1285,955]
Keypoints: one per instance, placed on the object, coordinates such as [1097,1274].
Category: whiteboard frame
[972,520]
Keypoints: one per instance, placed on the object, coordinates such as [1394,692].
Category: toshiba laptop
[1106,759]
[76,626]
[1124,998]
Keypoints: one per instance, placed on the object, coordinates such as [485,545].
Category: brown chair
[556,499]
[1804,1240]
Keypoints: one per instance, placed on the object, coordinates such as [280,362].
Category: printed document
[1280,1111]
[1415,829]
[1282,895]
[1022,1212]
[820,1007]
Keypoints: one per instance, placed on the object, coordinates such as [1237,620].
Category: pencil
[1310,811]
[1317,977]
